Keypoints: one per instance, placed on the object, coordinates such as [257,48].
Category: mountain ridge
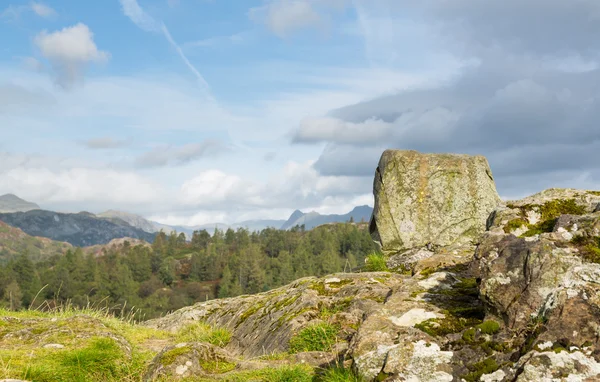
[80,229]
[10,203]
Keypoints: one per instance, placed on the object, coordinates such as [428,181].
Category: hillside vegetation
[171,273]
[14,242]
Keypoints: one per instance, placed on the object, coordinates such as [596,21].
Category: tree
[166,273]
[226,283]
[13,296]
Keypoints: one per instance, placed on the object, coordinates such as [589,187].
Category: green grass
[376,262]
[337,374]
[202,332]
[316,337]
[100,360]
[88,353]
[296,373]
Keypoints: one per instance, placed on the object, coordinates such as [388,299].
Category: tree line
[172,272]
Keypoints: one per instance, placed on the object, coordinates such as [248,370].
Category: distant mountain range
[313,219]
[82,229]
[86,229]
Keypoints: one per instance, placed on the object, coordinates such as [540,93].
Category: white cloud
[332,129]
[13,12]
[144,21]
[80,185]
[69,51]
[43,10]
[285,16]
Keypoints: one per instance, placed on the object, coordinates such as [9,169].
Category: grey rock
[430,199]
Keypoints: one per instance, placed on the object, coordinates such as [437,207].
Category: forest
[151,280]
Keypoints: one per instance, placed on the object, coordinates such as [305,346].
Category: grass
[100,360]
[589,247]
[316,337]
[296,373]
[375,262]
[89,352]
[337,374]
[202,332]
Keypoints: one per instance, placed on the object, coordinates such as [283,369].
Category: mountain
[258,225]
[12,203]
[314,219]
[82,229]
[132,219]
[14,241]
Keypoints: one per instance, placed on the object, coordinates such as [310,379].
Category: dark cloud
[178,155]
[529,103]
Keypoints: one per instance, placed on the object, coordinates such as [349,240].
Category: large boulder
[430,199]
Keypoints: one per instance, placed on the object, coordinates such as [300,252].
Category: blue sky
[196,111]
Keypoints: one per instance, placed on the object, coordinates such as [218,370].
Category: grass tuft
[202,332]
[376,262]
[317,337]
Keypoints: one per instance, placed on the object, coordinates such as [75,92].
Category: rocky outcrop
[435,199]
[521,305]
[266,323]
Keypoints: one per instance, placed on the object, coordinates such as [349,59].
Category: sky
[198,111]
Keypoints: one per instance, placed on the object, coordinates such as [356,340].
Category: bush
[375,262]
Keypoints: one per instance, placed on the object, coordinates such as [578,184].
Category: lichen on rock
[438,199]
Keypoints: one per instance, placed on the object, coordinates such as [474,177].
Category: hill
[133,220]
[11,203]
[14,241]
[313,219]
[82,229]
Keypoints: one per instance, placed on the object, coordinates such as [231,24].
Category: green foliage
[171,273]
[376,262]
[515,224]
[589,247]
[478,369]
[316,337]
[489,327]
[202,332]
[550,211]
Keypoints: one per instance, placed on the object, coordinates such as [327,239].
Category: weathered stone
[190,359]
[263,324]
[438,199]
[589,200]
[561,366]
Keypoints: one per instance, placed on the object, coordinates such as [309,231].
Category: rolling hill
[14,241]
